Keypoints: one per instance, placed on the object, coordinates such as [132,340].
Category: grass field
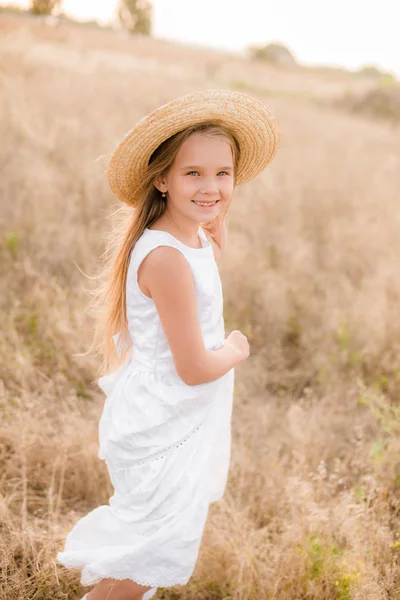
[312,508]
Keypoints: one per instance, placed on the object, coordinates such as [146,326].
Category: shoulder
[164,257]
[164,264]
[164,273]
[155,248]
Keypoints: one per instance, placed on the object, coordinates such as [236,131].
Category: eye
[190,172]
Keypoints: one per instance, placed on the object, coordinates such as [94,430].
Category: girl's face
[200,181]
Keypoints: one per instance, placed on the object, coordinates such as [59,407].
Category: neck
[180,226]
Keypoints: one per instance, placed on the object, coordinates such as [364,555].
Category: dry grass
[312,508]
[382,103]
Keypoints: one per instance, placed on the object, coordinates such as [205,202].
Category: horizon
[261,25]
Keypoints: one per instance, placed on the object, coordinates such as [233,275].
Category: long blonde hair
[108,305]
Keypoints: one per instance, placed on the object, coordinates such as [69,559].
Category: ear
[160,183]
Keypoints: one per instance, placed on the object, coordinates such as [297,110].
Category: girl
[165,428]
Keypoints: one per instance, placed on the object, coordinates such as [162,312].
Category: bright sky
[351,33]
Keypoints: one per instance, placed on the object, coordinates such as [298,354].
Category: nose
[209,186]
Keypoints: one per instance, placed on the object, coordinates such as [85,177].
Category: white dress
[166,444]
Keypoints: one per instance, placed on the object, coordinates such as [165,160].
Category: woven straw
[249,120]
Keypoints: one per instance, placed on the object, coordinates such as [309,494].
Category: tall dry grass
[312,506]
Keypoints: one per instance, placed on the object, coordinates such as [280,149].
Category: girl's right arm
[165,276]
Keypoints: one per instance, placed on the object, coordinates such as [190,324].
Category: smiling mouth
[198,203]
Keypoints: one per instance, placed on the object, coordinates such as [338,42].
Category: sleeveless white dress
[166,444]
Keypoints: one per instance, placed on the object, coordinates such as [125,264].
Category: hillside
[312,508]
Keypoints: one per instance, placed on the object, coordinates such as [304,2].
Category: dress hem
[98,576]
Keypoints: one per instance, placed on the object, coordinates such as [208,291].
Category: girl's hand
[239,342]
[218,230]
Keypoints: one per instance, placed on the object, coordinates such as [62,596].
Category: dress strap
[203,236]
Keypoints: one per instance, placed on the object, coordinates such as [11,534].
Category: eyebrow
[196,167]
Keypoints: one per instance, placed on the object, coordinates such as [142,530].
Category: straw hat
[249,120]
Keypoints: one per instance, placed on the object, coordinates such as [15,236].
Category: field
[311,276]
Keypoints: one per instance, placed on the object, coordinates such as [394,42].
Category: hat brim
[250,121]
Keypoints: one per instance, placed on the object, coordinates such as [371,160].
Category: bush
[44,7]
[136,16]
[274,53]
[371,71]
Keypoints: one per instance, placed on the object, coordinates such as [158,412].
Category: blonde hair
[108,305]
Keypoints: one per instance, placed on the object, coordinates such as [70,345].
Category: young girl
[165,428]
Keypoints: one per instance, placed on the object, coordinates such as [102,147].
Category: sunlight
[311,29]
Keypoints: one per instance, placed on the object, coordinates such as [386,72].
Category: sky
[349,33]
